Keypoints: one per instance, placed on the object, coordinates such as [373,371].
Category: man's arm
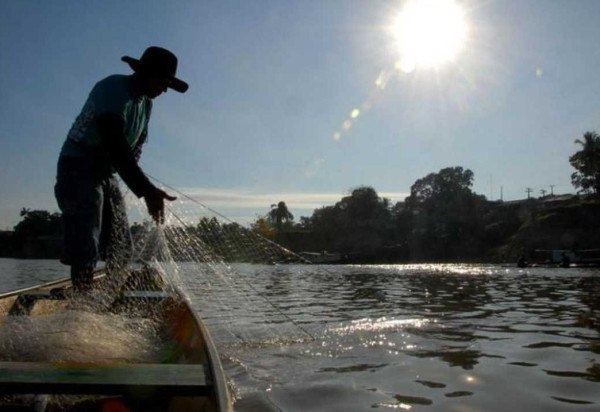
[121,156]
[137,149]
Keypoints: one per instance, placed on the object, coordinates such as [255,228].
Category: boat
[323,257]
[191,379]
[565,258]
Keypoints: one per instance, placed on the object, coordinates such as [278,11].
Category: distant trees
[359,223]
[36,235]
[36,223]
[279,214]
[442,215]
[449,185]
[263,227]
[277,221]
[441,220]
[365,220]
[324,228]
[587,163]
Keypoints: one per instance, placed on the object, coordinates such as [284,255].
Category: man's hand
[155,201]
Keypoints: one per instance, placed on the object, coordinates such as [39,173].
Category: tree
[325,227]
[449,183]
[359,223]
[363,203]
[587,163]
[263,228]
[37,234]
[37,223]
[366,220]
[280,213]
[444,215]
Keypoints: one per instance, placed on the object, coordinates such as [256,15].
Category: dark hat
[159,62]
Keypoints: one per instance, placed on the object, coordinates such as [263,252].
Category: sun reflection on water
[435,268]
[379,325]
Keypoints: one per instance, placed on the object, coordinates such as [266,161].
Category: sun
[429,33]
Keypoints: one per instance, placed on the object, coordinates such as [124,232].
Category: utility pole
[552,190]
[543,192]
[502,193]
[529,190]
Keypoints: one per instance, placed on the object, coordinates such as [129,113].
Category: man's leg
[82,277]
[116,243]
[80,200]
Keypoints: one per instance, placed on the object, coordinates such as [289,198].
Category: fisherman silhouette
[107,137]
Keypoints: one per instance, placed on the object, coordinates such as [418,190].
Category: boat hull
[189,377]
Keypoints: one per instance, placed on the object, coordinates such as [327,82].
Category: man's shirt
[114,95]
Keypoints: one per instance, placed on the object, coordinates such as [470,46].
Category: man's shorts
[93,213]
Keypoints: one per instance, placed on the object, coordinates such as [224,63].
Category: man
[107,136]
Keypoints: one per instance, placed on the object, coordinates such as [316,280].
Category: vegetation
[441,220]
[443,216]
[37,235]
[361,221]
[587,163]
[279,215]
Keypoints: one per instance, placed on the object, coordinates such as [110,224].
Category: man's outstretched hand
[155,201]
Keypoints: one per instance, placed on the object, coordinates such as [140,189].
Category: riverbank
[499,232]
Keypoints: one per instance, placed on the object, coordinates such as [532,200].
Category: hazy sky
[271,82]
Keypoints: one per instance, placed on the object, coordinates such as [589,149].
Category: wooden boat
[191,380]
[322,257]
[581,258]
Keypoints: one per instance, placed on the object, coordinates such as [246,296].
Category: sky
[272,83]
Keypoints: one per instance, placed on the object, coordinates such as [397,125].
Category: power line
[529,190]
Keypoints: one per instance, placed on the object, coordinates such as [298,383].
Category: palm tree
[280,213]
[587,163]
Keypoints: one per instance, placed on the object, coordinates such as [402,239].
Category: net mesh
[212,259]
[206,257]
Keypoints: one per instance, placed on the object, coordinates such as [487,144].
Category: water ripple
[447,337]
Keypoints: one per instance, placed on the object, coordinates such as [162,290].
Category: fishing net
[212,260]
[204,256]
[200,253]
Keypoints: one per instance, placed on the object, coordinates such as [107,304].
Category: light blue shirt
[114,94]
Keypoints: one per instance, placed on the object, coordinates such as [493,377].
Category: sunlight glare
[429,33]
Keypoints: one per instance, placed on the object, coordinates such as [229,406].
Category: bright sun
[429,33]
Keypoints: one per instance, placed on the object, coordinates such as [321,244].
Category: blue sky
[272,81]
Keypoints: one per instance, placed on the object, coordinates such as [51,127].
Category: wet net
[212,260]
[200,254]
[204,256]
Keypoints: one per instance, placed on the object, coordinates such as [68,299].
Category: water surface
[407,337]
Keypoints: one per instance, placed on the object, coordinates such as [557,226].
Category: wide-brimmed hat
[160,62]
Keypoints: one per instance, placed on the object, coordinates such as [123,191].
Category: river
[395,337]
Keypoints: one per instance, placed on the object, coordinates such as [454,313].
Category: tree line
[37,235]
[441,220]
